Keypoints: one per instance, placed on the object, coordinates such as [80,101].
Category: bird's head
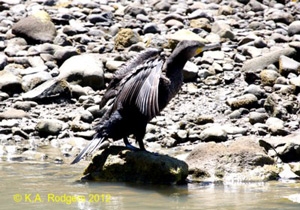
[191,48]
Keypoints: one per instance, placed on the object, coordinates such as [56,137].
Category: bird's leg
[129,146]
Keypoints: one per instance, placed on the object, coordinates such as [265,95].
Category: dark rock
[122,165]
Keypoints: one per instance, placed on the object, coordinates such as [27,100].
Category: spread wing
[140,88]
[125,71]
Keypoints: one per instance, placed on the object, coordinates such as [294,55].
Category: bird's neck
[175,64]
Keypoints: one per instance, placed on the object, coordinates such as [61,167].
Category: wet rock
[36,28]
[213,133]
[10,83]
[47,127]
[233,161]
[247,101]
[120,164]
[267,59]
[14,114]
[126,37]
[49,91]
[85,70]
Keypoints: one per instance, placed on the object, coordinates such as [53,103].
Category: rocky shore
[235,119]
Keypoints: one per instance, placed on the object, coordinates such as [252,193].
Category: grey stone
[222,29]
[85,70]
[36,28]
[10,83]
[24,105]
[288,65]
[257,117]
[276,126]
[255,90]
[225,161]
[213,133]
[49,90]
[267,59]
[294,28]
[47,127]
[30,81]
[190,71]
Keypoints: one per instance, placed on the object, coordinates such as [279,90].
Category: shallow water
[40,185]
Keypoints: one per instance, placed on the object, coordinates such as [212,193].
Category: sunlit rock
[123,165]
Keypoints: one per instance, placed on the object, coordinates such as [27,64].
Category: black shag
[139,91]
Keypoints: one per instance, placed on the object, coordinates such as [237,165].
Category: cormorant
[138,92]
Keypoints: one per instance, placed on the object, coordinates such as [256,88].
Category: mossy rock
[122,165]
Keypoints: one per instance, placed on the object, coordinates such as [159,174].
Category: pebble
[213,133]
[246,101]
[49,126]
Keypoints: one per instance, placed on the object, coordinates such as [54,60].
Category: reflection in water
[52,186]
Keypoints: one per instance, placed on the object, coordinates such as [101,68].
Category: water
[41,185]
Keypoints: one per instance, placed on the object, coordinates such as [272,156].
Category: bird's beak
[208,47]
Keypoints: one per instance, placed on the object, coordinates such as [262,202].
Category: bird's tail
[92,146]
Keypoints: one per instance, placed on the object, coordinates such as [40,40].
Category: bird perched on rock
[138,92]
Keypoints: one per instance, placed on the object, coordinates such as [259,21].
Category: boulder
[85,70]
[120,164]
[237,159]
